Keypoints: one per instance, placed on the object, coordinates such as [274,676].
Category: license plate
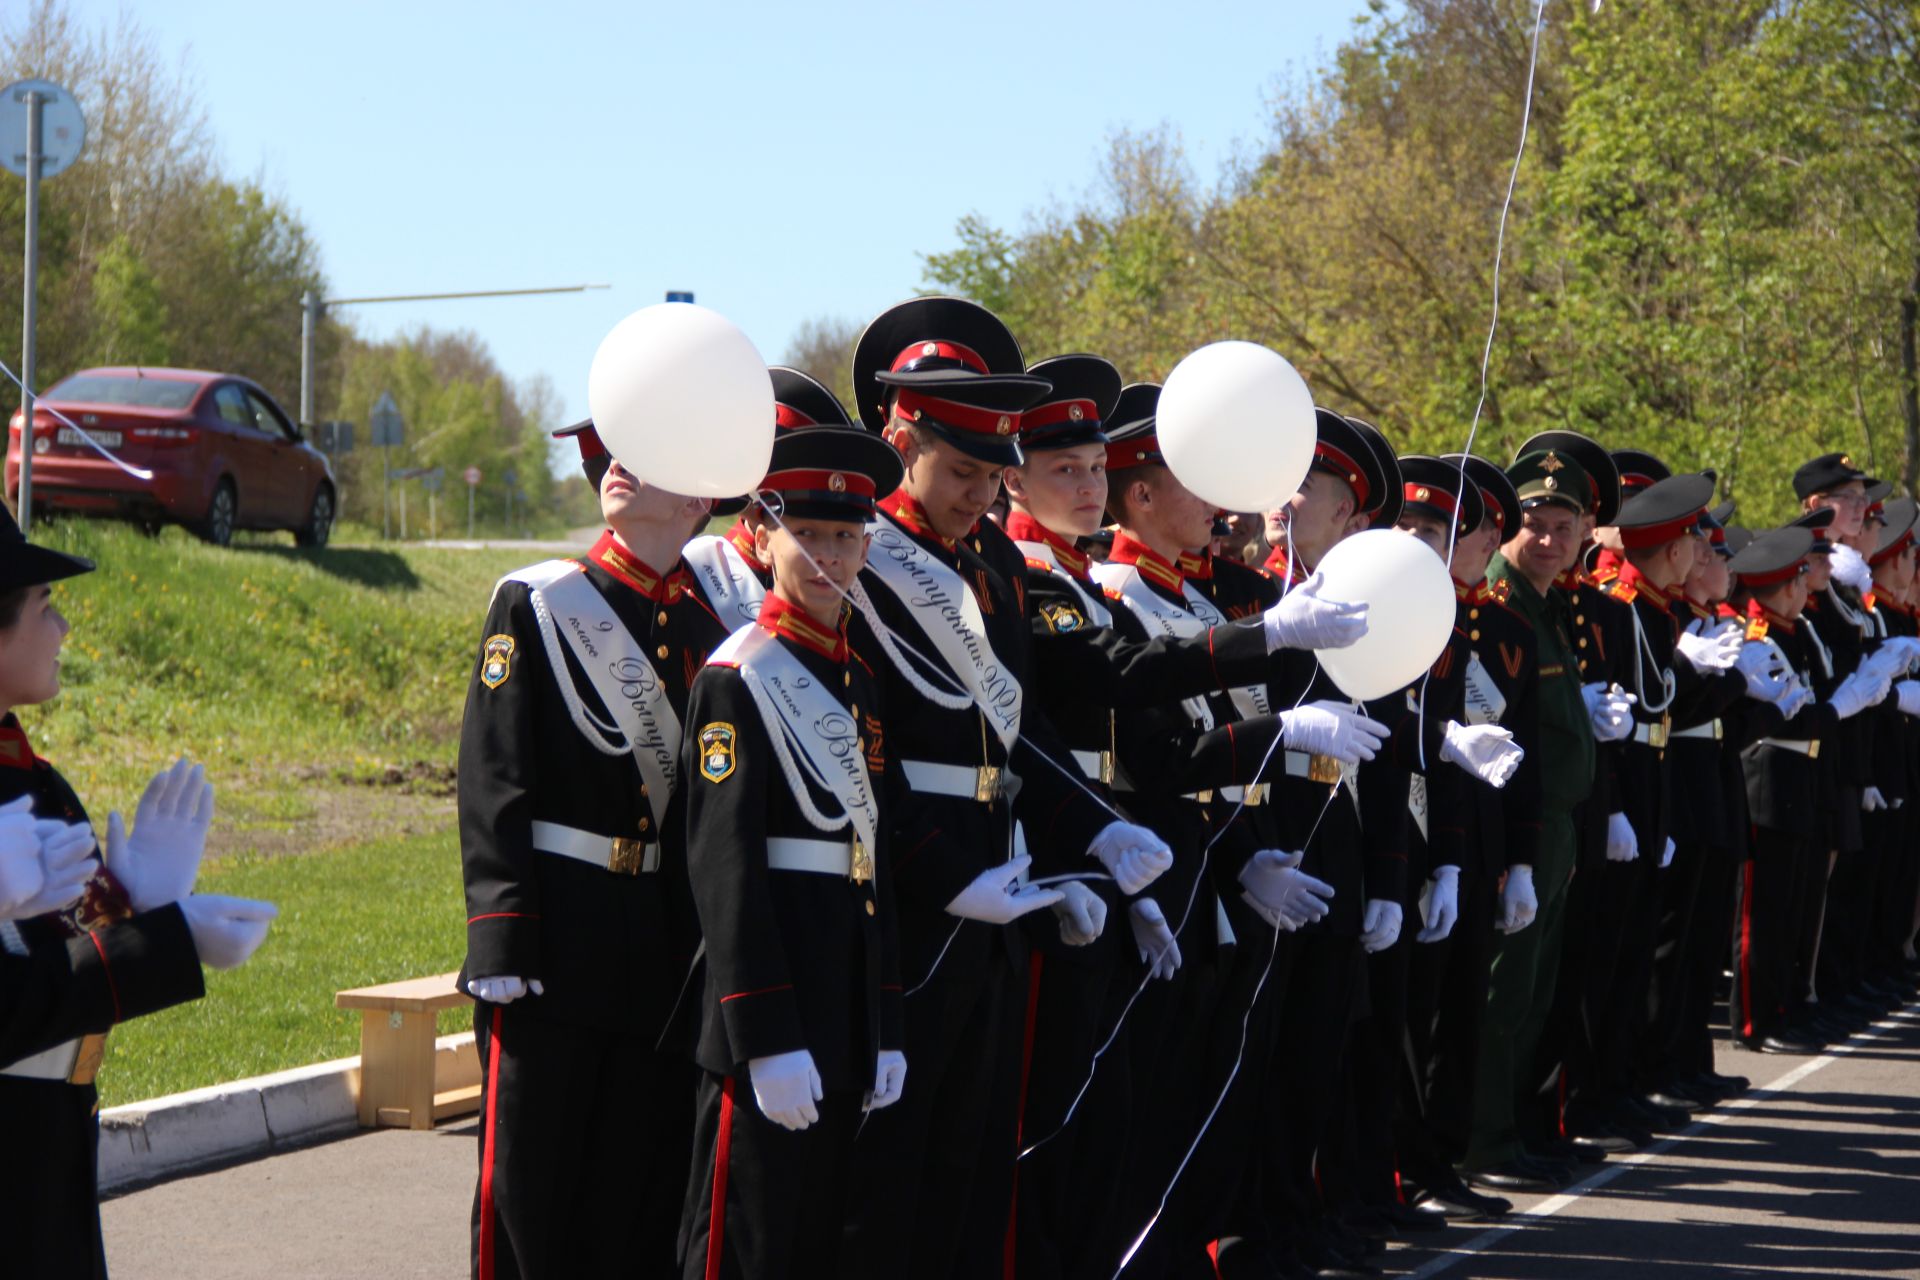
[106,439]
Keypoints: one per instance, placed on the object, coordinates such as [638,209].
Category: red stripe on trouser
[1746,948]
[722,1152]
[487,1146]
[1026,1067]
[1560,1103]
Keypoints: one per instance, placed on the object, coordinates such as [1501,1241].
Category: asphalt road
[1814,1173]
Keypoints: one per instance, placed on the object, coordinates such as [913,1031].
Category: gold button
[645,823]
[856,708]
[662,652]
[1473,613]
[663,617]
[846,678]
[870,906]
[1580,618]
[643,790]
[860,745]
[1474,634]
[1583,642]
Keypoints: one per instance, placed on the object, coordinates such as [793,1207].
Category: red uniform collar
[1022,527]
[742,539]
[790,622]
[1641,586]
[15,751]
[913,517]
[627,568]
[1757,612]
[1153,566]
[1197,565]
[1278,566]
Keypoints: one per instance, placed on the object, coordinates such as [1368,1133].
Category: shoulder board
[1867,600]
[1622,591]
[1756,628]
[1607,575]
[1038,565]
[1503,589]
[1112,594]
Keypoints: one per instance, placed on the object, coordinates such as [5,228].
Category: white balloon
[1236,424]
[1410,610]
[683,400]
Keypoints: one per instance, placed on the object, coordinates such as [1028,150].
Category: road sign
[334,437]
[433,478]
[471,475]
[385,424]
[679,295]
[63,130]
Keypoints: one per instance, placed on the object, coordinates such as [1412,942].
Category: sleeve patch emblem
[498,662]
[716,751]
[1061,617]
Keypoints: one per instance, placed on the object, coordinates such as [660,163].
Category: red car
[223,455]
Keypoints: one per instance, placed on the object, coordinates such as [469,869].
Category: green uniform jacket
[1566,733]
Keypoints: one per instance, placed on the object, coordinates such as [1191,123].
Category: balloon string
[138,473]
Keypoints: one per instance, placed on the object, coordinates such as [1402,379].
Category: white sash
[1098,614]
[726,579]
[1485,703]
[566,604]
[814,736]
[1175,622]
[948,615]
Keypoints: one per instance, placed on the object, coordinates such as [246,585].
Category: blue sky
[783,161]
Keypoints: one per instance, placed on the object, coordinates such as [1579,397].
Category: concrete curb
[243,1119]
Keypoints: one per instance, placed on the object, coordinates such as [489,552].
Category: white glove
[889,1080]
[786,1085]
[1909,694]
[1609,710]
[1871,801]
[1518,903]
[1907,646]
[1889,662]
[20,872]
[1285,896]
[997,896]
[1380,926]
[1439,905]
[159,859]
[1857,692]
[1158,947]
[1081,912]
[1708,654]
[1330,728]
[1487,751]
[1302,620]
[503,990]
[1133,856]
[1622,844]
[1795,699]
[66,863]
[1765,686]
[1666,855]
[226,931]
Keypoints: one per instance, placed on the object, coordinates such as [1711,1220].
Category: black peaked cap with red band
[799,401]
[1774,557]
[1638,469]
[1897,532]
[1664,510]
[1384,515]
[1132,429]
[1348,454]
[1085,390]
[1817,521]
[1432,487]
[956,371]
[830,473]
[1602,473]
[594,457]
[1501,499]
[22,564]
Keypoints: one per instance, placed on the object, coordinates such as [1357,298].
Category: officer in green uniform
[1554,493]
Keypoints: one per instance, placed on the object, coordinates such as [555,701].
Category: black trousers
[1696,921]
[49,1202]
[1896,891]
[586,1138]
[1446,994]
[1774,901]
[1809,926]
[765,1202]
[933,1174]
[1611,924]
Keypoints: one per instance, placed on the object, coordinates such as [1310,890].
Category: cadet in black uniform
[579,933]
[1897,860]
[95,934]
[789,859]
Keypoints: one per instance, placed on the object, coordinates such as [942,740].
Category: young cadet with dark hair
[579,932]
[789,858]
[91,934]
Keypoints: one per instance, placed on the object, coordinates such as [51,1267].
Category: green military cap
[1551,475]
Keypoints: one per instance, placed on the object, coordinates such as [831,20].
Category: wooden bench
[403,1081]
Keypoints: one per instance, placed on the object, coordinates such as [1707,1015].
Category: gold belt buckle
[1718,731]
[1323,769]
[861,869]
[1255,794]
[86,1063]
[629,857]
[986,783]
[1203,797]
[1665,730]
[1813,749]
[1106,767]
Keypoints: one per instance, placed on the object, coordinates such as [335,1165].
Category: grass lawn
[323,691]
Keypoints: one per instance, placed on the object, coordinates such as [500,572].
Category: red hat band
[814,480]
[1347,469]
[1654,535]
[786,417]
[1080,412]
[1135,451]
[1892,549]
[1775,577]
[921,355]
[1427,495]
[914,405]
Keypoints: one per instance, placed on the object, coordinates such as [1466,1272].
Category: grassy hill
[323,691]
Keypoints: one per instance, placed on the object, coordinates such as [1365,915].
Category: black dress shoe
[1407,1219]
[1559,1174]
[1609,1134]
[1675,1099]
[1787,1042]
[1651,1116]
[1716,1085]
[1512,1175]
[1561,1151]
[1321,1256]
[1455,1201]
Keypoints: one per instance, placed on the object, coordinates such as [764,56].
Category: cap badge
[1075,412]
[837,482]
[1845,461]
[929,348]
[1551,483]
[1422,494]
[1551,463]
[1003,426]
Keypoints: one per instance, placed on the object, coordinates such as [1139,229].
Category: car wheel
[319,523]
[222,512]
